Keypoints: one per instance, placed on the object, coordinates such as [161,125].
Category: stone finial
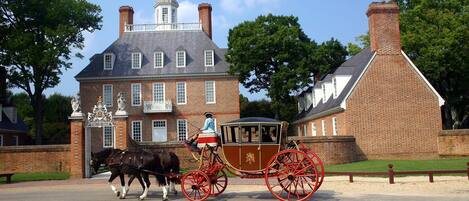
[121,105]
[76,106]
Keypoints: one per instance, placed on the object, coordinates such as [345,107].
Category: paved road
[456,189]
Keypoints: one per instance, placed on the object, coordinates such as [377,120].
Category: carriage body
[255,147]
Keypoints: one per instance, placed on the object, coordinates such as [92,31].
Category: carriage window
[270,134]
[230,134]
[250,134]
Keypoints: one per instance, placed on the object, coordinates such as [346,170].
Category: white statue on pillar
[76,106]
[121,105]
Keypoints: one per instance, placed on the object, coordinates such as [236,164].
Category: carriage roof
[250,120]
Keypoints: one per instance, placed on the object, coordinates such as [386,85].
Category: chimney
[383,22]
[205,18]
[126,16]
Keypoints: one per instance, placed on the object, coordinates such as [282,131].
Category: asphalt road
[334,189]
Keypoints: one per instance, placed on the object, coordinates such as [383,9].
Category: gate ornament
[100,116]
[76,106]
[121,105]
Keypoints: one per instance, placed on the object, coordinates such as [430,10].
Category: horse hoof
[165,199]
[139,198]
[118,194]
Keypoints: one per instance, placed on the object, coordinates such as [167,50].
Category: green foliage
[353,49]
[261,108]
[37,40]
[329,55]
[37,176]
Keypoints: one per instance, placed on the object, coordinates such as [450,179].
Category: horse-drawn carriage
[254,148]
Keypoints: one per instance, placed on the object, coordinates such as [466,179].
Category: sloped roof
[353,67]
[6,126]
[193,42]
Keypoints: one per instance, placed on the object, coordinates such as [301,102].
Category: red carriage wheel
[295,175]
[319,166]
[195,185]
[219,182]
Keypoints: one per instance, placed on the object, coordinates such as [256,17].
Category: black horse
[139,164]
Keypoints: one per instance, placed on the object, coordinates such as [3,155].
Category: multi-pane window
[181,59]
[182,129]
[210,92]
[334,126]
[137,130]
[1,140]
[181,92]
[173,16]
[323,127]
[208,57]
[108,139]
[107,61]
[136,94]
[159,60]
[107,95]
[136,60]
[334,84]
[158,92]
[165,15]
[314,129]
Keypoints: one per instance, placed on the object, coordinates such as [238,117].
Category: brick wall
[453,142]
[43,158]
[393,112]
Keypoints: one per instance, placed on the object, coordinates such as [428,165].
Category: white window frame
[110,64]
[153,91]
[139,93]
[177,129]
[159,120]
[334,126]
[141,130]
[323,127]
[104,137]
[161,54]
[305,129]
[1,140]
[139,62]
[212,56]
[177,93]
[104,95]
[163,15]
[214,92]
[314,129]
[178,65]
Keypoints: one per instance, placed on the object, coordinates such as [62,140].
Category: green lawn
[19,177]
[400,165]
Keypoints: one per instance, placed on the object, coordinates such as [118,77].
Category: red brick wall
[392,111]
[43,158]
[454,142]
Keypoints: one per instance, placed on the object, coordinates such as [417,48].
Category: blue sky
[320,20]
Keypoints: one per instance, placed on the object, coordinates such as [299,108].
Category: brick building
[170,74]
[378,96]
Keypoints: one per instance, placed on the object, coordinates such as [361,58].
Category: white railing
[163,27]
[157,107]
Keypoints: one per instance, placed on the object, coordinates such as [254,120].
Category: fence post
[350,178]
[430,177]
[467,170]
[391,174]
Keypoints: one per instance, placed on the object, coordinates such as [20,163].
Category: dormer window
[136,60]
[159,59]
[108,61]
[334,84]
[324,93]
[208,58]
[181,59]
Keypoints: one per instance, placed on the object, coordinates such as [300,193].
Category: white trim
[441,101]
[1,140]
[205,58]
[112,137]
[343,104]
[334,88]
[162,59]
[132,93]
[214,92]
[104,61]
[299,130]
[334,126]
[314,129]
[177,64]
[177,128]
[305,129]
[141,130]
[139,60]
[323,127]
[112,94]
[153,91]
[185,94]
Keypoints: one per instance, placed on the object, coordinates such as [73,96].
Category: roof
[352,67]
[193,42]
[255,120]
[6,126]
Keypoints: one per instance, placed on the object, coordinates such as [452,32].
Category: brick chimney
[383,22]
[126,16]
[205,18]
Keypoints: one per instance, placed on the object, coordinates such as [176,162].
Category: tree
[435,35]
[37,40]
[273,53]
[328,56]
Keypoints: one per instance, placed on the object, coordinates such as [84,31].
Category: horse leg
[172,186]
[113,188]
[165,189]
[139,178]
[124,190]
[145,191]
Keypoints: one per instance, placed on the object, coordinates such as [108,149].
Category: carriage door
[159,131]
[270,143]
[250,147]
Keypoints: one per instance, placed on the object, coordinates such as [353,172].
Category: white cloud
[188,12]
[238,6]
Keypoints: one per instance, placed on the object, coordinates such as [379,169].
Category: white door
[160,131]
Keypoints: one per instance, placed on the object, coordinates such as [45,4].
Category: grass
[40,176]
[400,165]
